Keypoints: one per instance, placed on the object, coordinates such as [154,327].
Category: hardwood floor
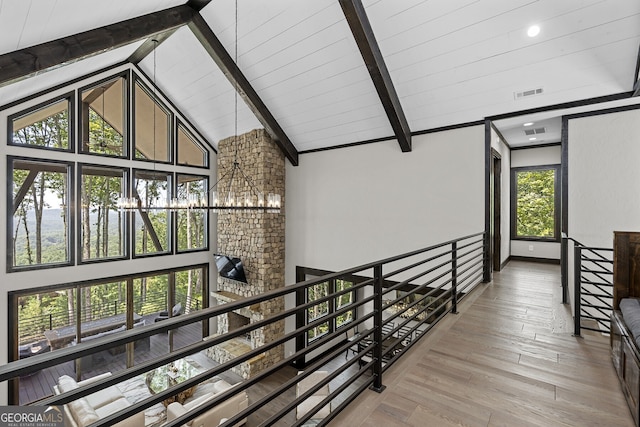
[507,359]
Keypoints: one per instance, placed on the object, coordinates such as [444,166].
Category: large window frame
[70,98]
[22,193]
[76,157]
[168,140]
[83,116]
[127,303]
[125,231]
[555,237]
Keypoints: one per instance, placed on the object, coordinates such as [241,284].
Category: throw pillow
[82,412]
[66,383]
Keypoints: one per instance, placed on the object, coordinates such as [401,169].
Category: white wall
[604,177]
[505,193]
[355,205]
[352,206]
[535,157]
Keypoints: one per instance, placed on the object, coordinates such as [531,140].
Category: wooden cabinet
[626,284]
[626,266]
[626,361]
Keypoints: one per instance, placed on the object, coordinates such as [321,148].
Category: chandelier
[221,199]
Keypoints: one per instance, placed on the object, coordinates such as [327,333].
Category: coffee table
[170,375]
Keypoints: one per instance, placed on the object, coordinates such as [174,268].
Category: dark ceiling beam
[149,45]
[636,76]
[363,34]
[35,59]
[198,5]
[216,50]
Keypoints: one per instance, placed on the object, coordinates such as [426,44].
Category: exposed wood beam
[198,5]
[32,60]
[212,45]
[364,37]
[149,45]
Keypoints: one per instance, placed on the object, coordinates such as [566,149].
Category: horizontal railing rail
[31,328]
[592,287]
[431,288]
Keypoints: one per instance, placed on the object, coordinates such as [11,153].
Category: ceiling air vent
[527,93]
[536,131]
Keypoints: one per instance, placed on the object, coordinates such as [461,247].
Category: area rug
[135,389]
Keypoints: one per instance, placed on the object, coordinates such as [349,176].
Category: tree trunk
[86,220]
[38,202]
[71,306]
[98,232]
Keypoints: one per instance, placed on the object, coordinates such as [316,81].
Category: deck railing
[432,281]
[592,286]
[31,328]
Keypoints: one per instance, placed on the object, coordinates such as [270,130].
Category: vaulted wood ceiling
[324,73]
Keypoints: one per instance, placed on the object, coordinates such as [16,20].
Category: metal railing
[433,280]
[592,286]
[32,328]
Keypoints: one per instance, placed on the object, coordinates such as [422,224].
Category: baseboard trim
[505,262]
[533,259]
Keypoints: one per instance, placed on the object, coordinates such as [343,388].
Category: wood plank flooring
[507,359]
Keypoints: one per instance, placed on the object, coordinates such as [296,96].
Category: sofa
[91,408]
[214,416]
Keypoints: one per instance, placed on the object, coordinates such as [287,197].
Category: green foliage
[52,132]
[103,138]
[535,206]
[323,308]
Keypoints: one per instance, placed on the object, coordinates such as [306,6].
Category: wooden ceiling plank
[366,41]
[35,59]
[225,62]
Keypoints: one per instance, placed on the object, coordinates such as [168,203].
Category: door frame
[496,206]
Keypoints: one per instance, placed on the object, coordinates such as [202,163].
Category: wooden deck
[39,385]
[508,359]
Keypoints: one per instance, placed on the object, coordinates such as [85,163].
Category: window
[102,224]
[317,311]
[190,152]
[330,306]
[191,227]
[151,223]
[46,126]
[535,202]
[49,319]
[152,125]
[344,300]
[63,207]
[102,118]
[39,212]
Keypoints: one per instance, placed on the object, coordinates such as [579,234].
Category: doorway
[496,240]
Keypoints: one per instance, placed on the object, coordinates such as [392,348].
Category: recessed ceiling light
[533,31]
[528,124]
[532,139]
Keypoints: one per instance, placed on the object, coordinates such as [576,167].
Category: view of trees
[535,203]
[42,196]
[322,309]
[51,310]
